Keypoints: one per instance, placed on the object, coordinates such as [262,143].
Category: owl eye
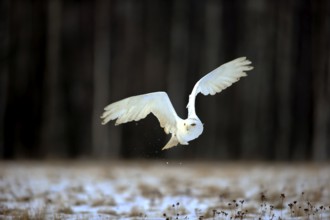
[193,124]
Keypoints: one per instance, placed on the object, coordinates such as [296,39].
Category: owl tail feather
[171,143]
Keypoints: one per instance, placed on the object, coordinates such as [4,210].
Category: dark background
[63,61]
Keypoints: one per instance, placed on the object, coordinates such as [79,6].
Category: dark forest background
[63,61]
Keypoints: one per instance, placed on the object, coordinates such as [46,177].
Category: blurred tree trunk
[178,61]
[77,60]
[156,38]
[212,57]
[321,83]
[100,134]
[53,138]
[257,99]
[25,78]
[157,33]
[4,67]
[194,71]
[283,71]
[228,117]
[128,66]
[301,103]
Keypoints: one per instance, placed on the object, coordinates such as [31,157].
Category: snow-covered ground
[163,190]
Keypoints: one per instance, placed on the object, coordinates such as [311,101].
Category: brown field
[163,190]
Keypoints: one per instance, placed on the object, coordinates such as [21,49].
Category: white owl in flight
[183,130]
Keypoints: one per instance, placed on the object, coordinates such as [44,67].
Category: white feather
[138,107]
[218,80]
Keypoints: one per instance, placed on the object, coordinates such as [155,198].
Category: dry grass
[164,190]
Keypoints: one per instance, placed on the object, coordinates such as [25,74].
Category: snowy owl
[183,130]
